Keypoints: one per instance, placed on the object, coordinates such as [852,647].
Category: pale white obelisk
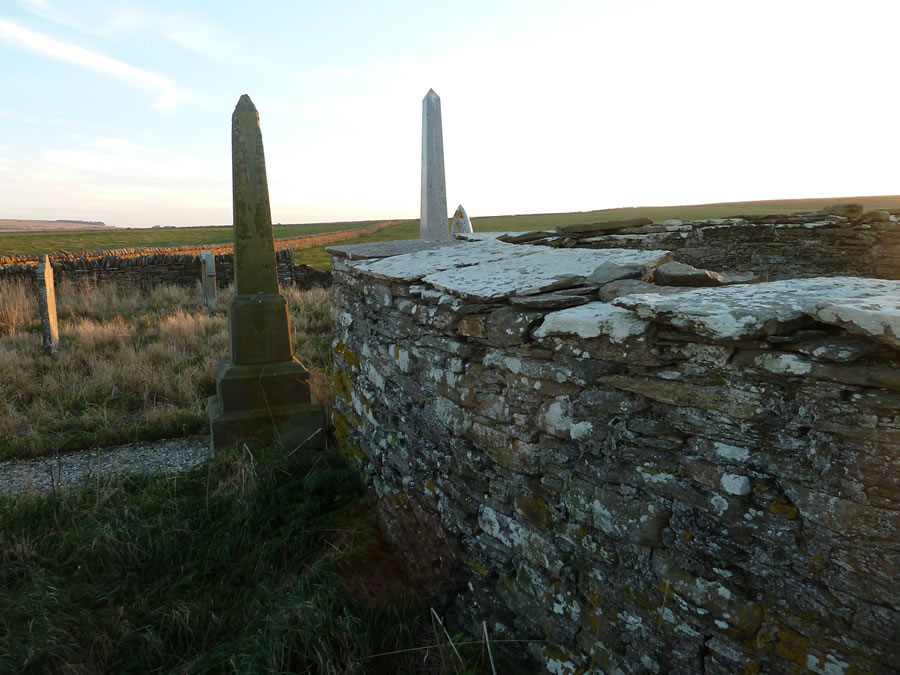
[433,222]
[460,223]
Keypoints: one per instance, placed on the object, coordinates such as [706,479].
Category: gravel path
[77,468]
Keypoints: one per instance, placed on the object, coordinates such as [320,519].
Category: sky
[120,111]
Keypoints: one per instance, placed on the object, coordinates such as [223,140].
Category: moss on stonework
[535,510]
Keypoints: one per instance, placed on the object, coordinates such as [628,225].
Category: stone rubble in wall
[679,480]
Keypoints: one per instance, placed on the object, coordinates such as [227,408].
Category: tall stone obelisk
[433,218]
[262,391]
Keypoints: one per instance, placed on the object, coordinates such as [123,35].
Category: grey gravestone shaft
[208,277]
[433,217]
[47,305]
[262,391]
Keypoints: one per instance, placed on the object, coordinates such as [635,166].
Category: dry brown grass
[131,365]
[18,305]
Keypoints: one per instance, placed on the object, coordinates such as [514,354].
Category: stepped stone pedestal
[262,391]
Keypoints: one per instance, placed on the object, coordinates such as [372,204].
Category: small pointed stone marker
[262,391]
[47,305]
[433,218]
[208,278]
[460,223]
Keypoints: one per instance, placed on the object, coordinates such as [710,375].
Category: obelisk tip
[244,103]
[431,94]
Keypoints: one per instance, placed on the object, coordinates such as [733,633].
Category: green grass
[257,563]
[36,243]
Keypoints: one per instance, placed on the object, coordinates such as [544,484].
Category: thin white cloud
[161,86]
[113,19]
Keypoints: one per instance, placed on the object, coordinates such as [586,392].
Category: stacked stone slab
[262,391]
[628,477]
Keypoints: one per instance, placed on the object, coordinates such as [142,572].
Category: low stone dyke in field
[633,477]
[139,267]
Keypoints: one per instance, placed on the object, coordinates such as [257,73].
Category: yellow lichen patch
[345,352]
[687,534]
[340,386]
[747,620]
[781,508]
[478,567]
[429,485]
[792,647]
[535,510]
[816,565]
[752,668]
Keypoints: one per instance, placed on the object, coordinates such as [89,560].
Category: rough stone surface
[587,229]
[679,274]
[460,223]
[682,481]
[433,218]
[47,306]
[386,249]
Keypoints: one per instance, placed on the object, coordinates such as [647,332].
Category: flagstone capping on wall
[631,477]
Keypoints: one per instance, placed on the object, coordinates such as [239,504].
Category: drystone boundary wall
[783,247]
[635,478]
[137,267]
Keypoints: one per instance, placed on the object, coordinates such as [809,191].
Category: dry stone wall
[137,267]
[633,478]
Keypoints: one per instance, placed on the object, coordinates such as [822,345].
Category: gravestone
[433,216]
[262,391]
[47,305]
[460,223]
[208,277]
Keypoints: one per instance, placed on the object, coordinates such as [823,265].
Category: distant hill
[13,225]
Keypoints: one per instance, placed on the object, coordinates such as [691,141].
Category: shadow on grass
[252,563]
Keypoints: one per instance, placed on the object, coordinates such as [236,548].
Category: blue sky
[120,111]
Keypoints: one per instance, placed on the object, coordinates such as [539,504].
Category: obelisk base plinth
[264,404]
[258,326]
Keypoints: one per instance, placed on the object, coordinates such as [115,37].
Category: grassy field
[45,242]
[131,366]
[35,243]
